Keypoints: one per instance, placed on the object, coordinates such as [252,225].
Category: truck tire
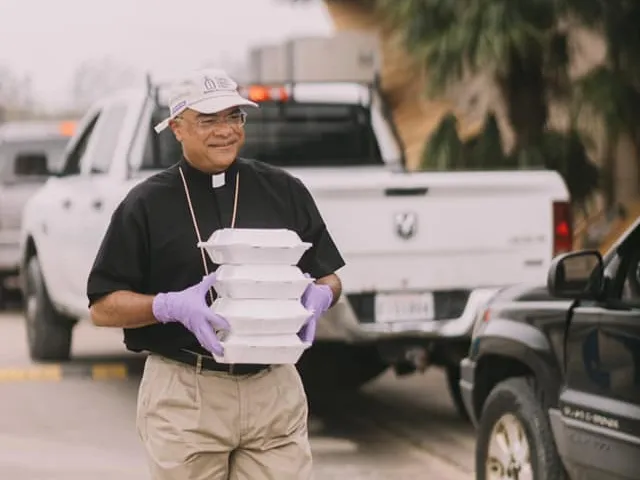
[513,412]
[48,332]
[330,367]
[453,384]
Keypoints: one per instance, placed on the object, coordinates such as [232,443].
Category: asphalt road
[77,422]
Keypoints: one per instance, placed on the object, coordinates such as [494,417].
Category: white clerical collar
[218,179]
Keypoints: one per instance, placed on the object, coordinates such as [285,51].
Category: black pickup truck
[552,378]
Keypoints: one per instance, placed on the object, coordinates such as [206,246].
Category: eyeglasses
[235,119]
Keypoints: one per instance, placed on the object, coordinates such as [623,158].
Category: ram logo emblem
[406,224]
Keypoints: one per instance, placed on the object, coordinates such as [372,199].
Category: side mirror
[576,275]
[31,165]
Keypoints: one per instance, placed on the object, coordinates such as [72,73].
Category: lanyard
[195,222]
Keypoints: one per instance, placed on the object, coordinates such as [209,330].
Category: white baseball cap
[206,91]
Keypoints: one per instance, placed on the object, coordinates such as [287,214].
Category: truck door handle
[406,191]
[96,204]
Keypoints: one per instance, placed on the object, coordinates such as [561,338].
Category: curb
[121,370]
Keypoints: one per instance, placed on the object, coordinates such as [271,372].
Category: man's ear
[175,128]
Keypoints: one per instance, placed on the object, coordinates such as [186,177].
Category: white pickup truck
[423,250]
[29,153]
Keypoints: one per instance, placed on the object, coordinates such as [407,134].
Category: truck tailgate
[12,201]
[438,231]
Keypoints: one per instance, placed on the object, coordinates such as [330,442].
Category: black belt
[209,363]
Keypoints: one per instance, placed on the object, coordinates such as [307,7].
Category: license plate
[404,307]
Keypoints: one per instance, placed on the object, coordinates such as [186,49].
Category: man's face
[210,141]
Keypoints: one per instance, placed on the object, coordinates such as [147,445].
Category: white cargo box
[261,281]
[265,350]
[261,317]
[245,246]
[268,64]
[348,56]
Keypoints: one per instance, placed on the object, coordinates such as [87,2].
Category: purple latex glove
[189,307]
[316,298]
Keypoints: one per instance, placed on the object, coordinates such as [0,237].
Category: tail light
[562,228]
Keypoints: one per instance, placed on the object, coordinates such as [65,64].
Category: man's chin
[222,156]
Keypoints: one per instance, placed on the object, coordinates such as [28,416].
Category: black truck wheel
[514,438]
[48,332]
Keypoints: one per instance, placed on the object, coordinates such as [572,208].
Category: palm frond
[529,156]
[487,152]
[443,149]
[610,96]
[429,32]
[510,28]
[556,64]
[621,28]
[444,60]
[566,153]
[586,12]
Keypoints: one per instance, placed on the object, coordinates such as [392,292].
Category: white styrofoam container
[244,254]
[240,246]
[255,237]
[261,317]
[265,350]
[261,281]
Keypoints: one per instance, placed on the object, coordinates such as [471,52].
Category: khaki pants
[216,426]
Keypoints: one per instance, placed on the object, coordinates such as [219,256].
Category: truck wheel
[514,438]
[453,383]
[327,367]
[48,332]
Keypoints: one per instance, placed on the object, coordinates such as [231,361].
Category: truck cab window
[161,150]
[311,135]
[631,286]
[288,135]
[624,287]
[31,164]
[109,128]
[74,160]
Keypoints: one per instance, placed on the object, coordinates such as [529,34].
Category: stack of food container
[259,291]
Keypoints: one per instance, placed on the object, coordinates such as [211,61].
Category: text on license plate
[404,307]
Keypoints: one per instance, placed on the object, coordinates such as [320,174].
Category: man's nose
[223,130]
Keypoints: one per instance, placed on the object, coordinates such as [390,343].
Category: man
[199,419]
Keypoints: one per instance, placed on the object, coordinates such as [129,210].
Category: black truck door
[599,432]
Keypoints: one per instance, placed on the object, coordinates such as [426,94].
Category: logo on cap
[217,83]
[177,107]
[209,85]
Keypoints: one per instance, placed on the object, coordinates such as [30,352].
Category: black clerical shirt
[150,245]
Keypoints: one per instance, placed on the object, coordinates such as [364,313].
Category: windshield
[52,148]
[291,135]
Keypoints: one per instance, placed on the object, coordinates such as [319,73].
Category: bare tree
[16,95]
[96,78]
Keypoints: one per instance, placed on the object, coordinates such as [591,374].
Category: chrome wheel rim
[509,455]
